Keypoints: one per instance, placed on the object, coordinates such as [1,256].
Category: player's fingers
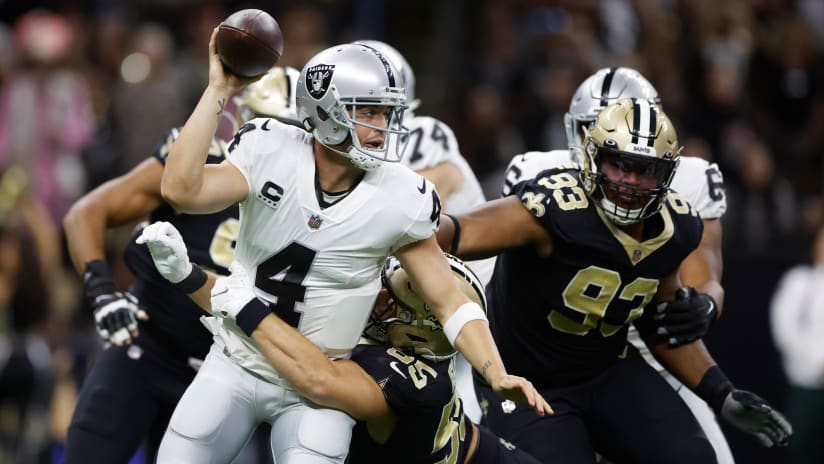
[547,407]
[533,398]
[168,230]
[120,337]
[783,424]
[149,233]
[132,327]
[764,439]
[771,433]
[528,393]
[163,242]
[542,405]
[671,307]
[132,324]
[142,315]
[780,427]
[682,317]
[684,293]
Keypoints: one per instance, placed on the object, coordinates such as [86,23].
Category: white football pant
[224,405]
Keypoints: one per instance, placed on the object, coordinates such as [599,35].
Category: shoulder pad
[430,142]
[527,165]
[702,184]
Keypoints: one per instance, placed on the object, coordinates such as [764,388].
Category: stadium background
[741,79]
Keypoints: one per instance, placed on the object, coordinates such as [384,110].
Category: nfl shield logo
[636,256]
[315,221]
[318,79]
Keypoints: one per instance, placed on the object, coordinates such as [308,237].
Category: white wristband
[465,313]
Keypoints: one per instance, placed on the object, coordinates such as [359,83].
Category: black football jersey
[564,318]
[431,425]
[210,239]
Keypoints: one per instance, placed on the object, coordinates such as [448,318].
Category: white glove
[168,251]
[232,292]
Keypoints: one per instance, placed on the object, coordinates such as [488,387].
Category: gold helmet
[630,155]
[407,322]
[273,95]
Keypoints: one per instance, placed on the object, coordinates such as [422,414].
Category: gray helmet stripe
[606,85]
[390,76]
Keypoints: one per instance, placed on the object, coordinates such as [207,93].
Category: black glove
[686,319]
[743,410]
[749,413]
[115,312]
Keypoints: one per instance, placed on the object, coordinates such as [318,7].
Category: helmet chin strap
[360,160]
[619,215]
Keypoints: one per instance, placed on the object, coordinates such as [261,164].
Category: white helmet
[331,87]
[604,87]
[273,95]
[401,65]
[407,322]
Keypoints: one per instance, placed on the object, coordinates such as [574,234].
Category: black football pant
[126,400]
[493,450]
[628,413]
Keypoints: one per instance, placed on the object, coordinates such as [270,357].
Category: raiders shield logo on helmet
[318,78]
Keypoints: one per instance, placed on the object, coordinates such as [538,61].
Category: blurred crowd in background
[89,87]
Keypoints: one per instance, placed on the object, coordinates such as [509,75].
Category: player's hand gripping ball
[249,42]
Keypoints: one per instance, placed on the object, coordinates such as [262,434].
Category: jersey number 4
[282,276]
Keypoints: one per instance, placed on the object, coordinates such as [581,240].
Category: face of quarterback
[371,123]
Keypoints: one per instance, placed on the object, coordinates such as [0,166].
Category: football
[249,42]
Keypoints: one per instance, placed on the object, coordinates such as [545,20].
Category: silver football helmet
[331,87]
[630,157]
[401,65]
[407,322]
[273,95]
[604,87]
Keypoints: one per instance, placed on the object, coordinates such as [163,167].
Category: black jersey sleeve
[216,150]
[557,199]
[689,225]
[161,152]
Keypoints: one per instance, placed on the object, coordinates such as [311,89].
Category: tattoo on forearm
[222,104]
[486,366]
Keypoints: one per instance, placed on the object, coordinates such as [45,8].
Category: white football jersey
[432,142]
[321,266]
[696,179]
[526,166]
[702,184]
